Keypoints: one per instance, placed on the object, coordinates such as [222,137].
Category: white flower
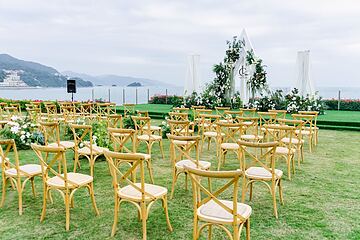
[22,132]
[14,129]
[81,145]
[14,118]
[22,137]
[28,134]
[25,126]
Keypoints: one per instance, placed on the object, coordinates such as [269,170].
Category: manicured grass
[321,202]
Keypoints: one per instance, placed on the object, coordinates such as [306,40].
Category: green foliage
[345,104]
[163,99]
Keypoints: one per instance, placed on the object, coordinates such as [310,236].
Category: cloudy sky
[152,39]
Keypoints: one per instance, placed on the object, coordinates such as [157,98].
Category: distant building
[12,79]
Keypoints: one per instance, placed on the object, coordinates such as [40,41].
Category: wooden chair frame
[210,194]
[129,109]
[308,128]
[209,125]
[147,199]
[179,127]
[115,121]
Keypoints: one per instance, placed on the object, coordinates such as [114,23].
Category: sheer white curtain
[192,81]
[304,82]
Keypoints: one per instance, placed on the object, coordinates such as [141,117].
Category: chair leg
[19,190]
[92,195]
[195,230]
[251,191]
[149,166]
[3,191]
[33,187]
[165,205]
[288,162]
[116,212]
[43,212]
[273,193]
[248,229]
[161,149]
[76,161]
[67,210]
[186,181]
[281,193]
[209,232]
[144,219]
[175,176]
[293,163]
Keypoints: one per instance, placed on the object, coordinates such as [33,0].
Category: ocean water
[116,94]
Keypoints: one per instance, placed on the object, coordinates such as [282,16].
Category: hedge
[345,104]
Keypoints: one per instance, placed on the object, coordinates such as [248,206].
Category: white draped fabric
[192,81]
[242,70]
[304,83]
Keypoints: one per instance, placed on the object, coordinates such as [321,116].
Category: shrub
[163,99]
[345,104]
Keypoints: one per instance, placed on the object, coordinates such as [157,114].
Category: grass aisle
[321,202]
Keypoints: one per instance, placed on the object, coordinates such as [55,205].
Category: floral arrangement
[296,102]
[23,131]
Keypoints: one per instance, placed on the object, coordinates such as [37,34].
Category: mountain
[110,79]
[36,74]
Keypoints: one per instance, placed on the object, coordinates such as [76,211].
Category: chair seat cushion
[261,173]
[129,192]
[153,128]
[251,137]
[96,150]
[212,134]
[284,151]
[149,137]
[292,140]
[146,156]
[2,122]
[213,212]
[230,146]
[77,178]
[65,144]
[182,143]
[186,162]
[29,169]
[303,132]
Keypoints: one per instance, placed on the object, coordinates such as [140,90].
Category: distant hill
[110,80]
[36,74]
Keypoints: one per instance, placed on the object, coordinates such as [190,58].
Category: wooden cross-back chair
[68,113]
[121,139]
[102,110]
[154,129]
[200,111]
[285,150]
[228,134]
[248,112]
[297,140]
[129,109]
[268,118]
[261,168]
[211,206]
[16,105]
[142,113]
[308,130]
[51,131]
[87,110]
[12,111]
[231,115]
[209,129]
[221,111]
[250,129]
[179,127]
[85,146]
[181,155]
[181,109]
[281,114]
[112,108]
[316,128]
[33,112]
[115,121]
[145,134]
[18,175]
[140,194]
[56,177]
[182,116]
[3,115]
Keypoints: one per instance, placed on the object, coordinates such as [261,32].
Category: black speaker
[71,86]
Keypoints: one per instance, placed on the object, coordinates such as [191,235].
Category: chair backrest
[203,194]
[281,114]
[179,127]
[51,132]
[17,105]
[51,110]
[82,135]
[112,108]
[231,131]
[179,116]
[251,124]
[102,109]
[308,121]
[129,109]
[86,109]
[11,111]
[120,176]
[249,112]
[142,125]
[199,111]
[314,113]
[259,154]
[68,112]
[275,133]
[178,152]
[209,122]
[181,109]
[49,158]
[120,138]
[267,118]
[6,146]
[142,113]
[114,121]
[220,111]
[232,114]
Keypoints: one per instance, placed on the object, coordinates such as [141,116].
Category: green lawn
[321,202]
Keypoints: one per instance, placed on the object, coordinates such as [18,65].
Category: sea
[138,95]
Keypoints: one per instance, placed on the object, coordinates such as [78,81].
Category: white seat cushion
[129,192]
[186,162]
[261,173]
[284,150]
[146,156]
[153,128]
[293,140]
[251,137]
[213,212]
[96,150]
[65,144]
[149,137]
[77,178]
[230,146]
[212,134]
[303,132]
[29,169]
